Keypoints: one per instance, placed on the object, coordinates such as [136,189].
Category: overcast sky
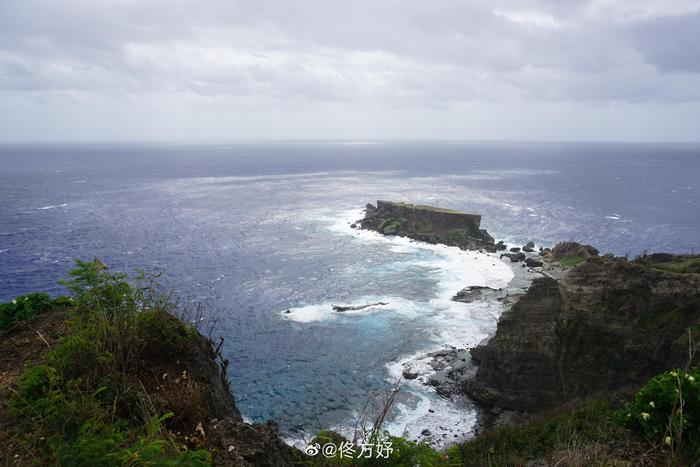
[195,70]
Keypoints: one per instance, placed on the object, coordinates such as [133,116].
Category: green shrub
[84,405]
[164,334]
[26,306]
[667,410]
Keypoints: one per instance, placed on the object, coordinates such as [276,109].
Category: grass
[572,261]
[85,405]
[680,265]
[424,207]
[543,438]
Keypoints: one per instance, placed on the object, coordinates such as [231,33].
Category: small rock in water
[341,308]
[426,432]
[288,311]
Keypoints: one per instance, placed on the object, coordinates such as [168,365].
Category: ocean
[253,230]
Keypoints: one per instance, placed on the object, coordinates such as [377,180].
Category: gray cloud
[336,58]
[671,44]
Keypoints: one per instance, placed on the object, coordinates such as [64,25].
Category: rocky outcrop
[428,224]
[472,293]
[607,325]
[568,250]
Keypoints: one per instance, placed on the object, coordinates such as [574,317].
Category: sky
[228,70]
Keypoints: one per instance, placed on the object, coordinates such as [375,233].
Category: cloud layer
[185,69]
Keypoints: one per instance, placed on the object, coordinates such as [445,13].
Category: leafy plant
[26,306]
[667,410]
[85,405]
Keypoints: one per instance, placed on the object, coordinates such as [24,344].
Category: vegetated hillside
[117,379]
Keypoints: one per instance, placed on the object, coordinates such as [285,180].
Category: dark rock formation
[514,257]
[428,224]
[471,293]
[533,263]
[609,324]
[566,250]
[529,247]
[341,308]
[515,249]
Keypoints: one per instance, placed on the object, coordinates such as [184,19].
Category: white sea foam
[449,323]
[45,208]
[325,312]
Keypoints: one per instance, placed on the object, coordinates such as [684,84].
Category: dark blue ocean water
[252,229]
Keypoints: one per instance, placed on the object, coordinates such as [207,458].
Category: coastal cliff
[113,377]
[428,224]
[608,324]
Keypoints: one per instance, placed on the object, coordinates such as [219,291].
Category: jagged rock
[533,263]
[471,293]
[529,247]
[500,246]
[608,324]
[515,249]
[428,224]
[514,257]
[233,442]
[564,250]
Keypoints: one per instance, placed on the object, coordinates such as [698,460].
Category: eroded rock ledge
[428,224]
[607,325]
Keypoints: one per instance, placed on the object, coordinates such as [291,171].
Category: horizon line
[358,141]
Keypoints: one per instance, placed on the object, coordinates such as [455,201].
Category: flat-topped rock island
[428,224]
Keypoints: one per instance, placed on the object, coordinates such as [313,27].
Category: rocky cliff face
[428,224]
[607,325]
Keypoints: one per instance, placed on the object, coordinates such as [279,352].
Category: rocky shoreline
[576,324]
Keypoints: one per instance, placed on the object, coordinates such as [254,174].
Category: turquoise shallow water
[252,230]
